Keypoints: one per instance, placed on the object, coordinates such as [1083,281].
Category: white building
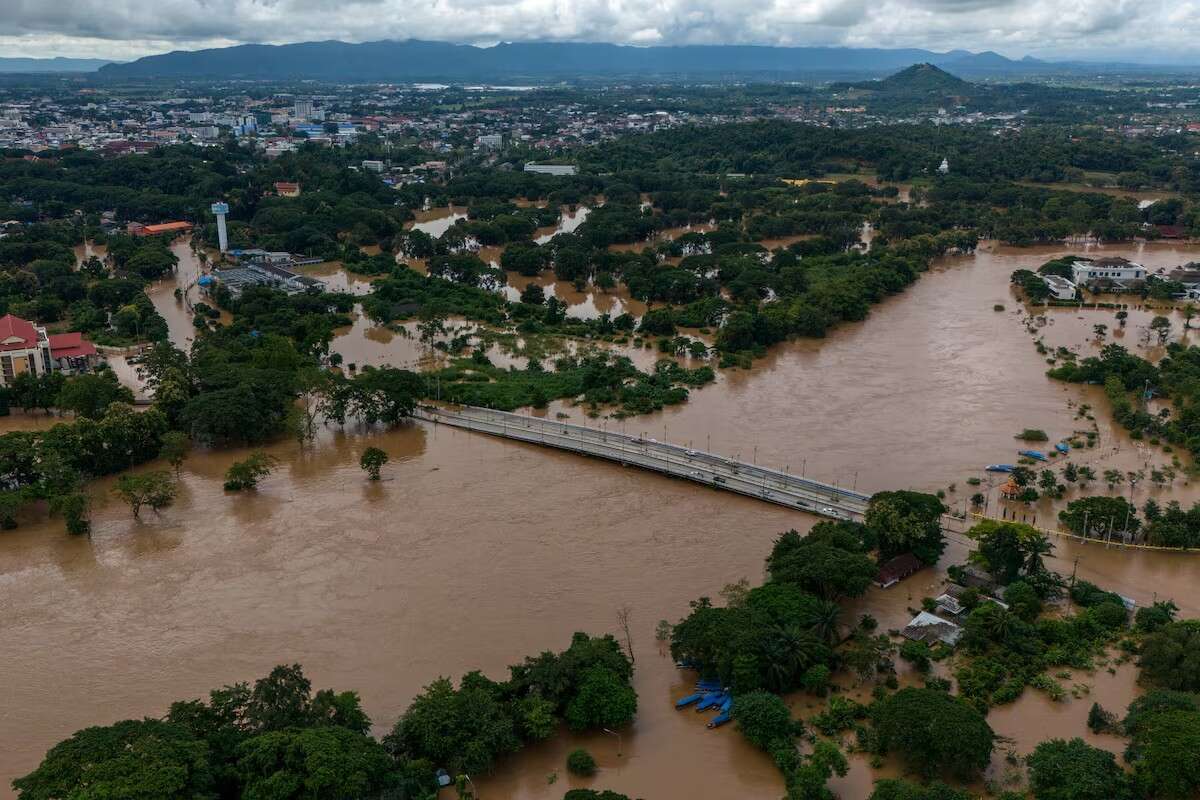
[1119,271]
[491,141]
[552,169]
[373,166]
[944,167]
[303,109]
[1060,288]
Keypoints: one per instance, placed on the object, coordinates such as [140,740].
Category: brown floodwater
[339,279]
[587,304]
[436,221]
[162,294]
[664,235]
[474,552]
[568,221]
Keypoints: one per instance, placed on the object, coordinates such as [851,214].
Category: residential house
[932,629]
[897,569]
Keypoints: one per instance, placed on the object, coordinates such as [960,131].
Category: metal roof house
[932,629]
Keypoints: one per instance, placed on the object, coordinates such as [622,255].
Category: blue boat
[719,720]
[728,704]
[684,702]
[710,701]
[1062,447]
[1036,455]
[999,468]
[708,686]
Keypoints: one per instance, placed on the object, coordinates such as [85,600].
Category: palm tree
[826,615]
[1000,624]
[1036,547]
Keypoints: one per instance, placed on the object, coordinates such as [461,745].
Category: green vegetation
[1170,656]
[467,728]
[155,490]
[594,378]
[907,522]
[1074,770]
[372,461]
[580,762]
[247,473]
[1164,746]
[280,739]
[917,725]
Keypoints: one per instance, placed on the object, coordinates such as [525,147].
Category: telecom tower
[221,209]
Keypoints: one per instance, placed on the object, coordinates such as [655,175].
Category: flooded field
[587,304]
[436,221]
[567,223]
[474,552]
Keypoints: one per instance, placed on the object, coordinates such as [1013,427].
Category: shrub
[246,474]
[580,762]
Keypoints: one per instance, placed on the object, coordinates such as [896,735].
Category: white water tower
[221,209]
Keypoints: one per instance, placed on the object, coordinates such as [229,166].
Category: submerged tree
[246,474]
[156,490]
[372,462]
[175,446]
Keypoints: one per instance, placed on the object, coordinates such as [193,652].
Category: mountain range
[51,64]
[539,62]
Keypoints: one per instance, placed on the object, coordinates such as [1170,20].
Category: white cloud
[1144,30]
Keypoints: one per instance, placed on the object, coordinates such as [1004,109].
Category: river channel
[474,552]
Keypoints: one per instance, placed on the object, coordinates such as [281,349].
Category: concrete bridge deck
[719,472]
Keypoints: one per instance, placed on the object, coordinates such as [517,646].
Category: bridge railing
[571,436]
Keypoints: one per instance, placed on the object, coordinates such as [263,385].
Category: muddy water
[162,294]
[318,563]
[587,304]
[665,235]
[365,343]
[838,409]
[567,223]
[437,221]
[382,588]
[88,249]
[338,279]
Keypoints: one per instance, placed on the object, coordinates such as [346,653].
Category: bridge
[709,469]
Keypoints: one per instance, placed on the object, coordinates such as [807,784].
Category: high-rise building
[303,109]
[221,209]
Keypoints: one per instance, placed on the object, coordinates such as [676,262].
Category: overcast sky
[1154,31]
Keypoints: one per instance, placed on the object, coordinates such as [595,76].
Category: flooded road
[474,552]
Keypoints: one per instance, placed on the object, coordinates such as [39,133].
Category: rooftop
[16,333]
[70,345]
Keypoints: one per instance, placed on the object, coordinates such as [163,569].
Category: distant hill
[923,79]
[414,60]
[51,64]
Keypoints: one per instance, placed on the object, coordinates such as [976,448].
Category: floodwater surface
[474,552]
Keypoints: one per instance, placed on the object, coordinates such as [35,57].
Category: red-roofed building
[24,347]
[71,353]
[171,228]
